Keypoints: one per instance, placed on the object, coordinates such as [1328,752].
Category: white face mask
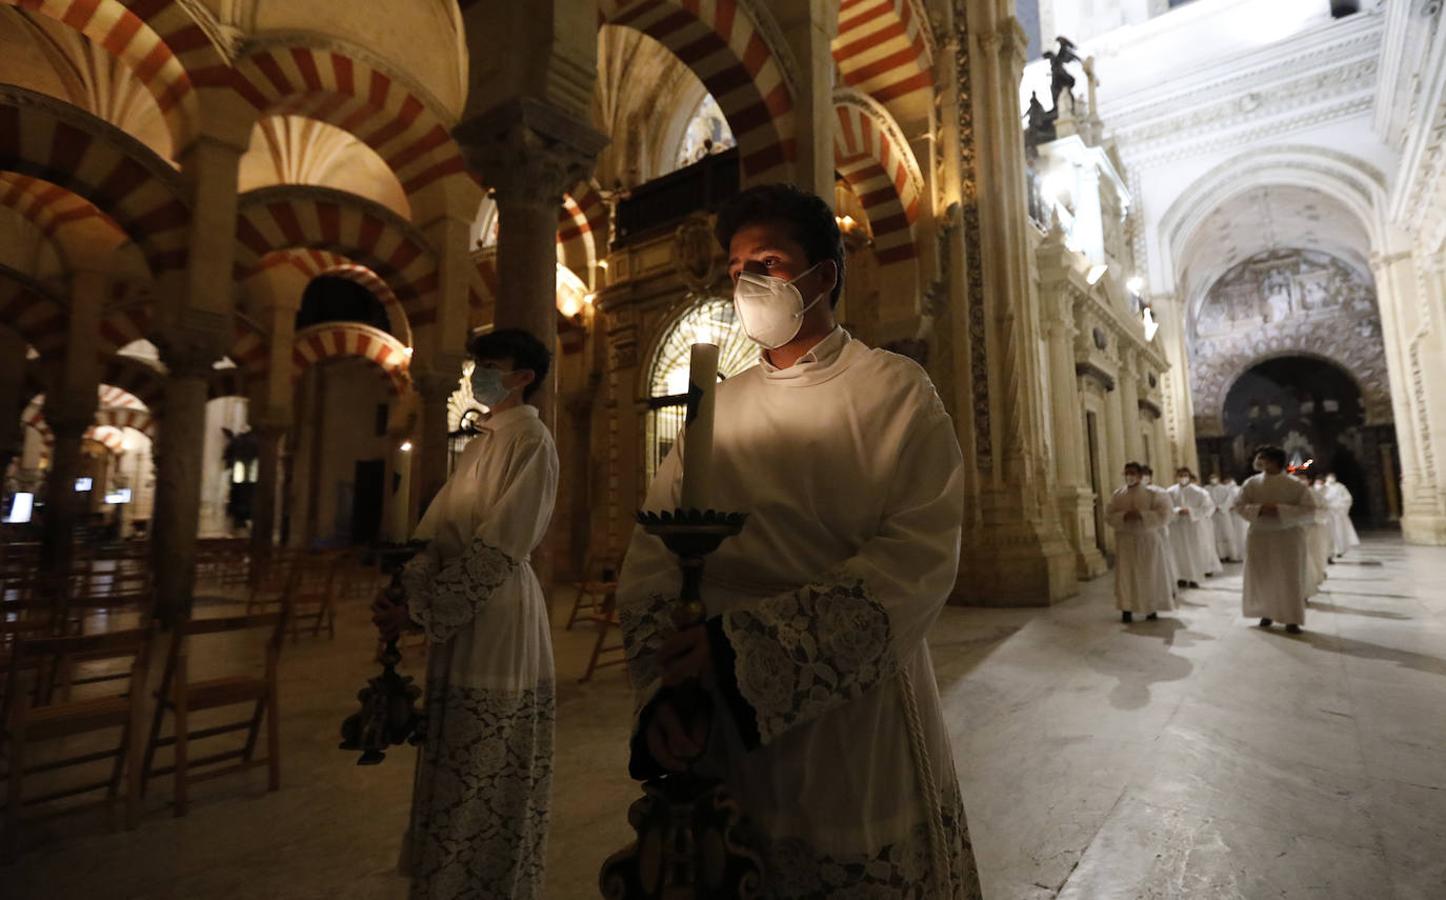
[771,308]
[1330,479]
[487,386]
[1183,481]
[1259,465]
[1132,480]
[1146,479]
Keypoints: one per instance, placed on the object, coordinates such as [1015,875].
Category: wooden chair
[273,581]
[36,660]
[182,696]
[607,621]
[599,578]
[313,598]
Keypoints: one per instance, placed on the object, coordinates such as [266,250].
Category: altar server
[1343,533]
[1190,532]
[1139,516]
[1147,479]
[484,774]
[1228,539]
[1279,509]
[826,723]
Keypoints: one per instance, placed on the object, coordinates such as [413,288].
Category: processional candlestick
[690,843]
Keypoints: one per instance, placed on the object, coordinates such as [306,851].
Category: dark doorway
[1092,438]
[329,298]
[366,509]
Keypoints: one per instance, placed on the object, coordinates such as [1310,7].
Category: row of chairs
[596,603]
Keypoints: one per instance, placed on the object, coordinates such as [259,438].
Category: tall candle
[698,426]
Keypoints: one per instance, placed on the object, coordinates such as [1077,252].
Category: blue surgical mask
[487,386]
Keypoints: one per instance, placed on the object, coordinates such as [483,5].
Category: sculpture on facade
[1060,80]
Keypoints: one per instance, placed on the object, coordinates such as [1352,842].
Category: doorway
[1092,438]
[366,508]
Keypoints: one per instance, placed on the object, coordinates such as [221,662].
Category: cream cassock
[1343,533]
[1277,565]
[827,725]
[1229,538]
[1192,536]
[479,808]
[1319,540]
[1142,581]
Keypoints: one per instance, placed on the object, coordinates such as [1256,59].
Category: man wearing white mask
[1139,515]
[1191,533]
[1279,509]
[1227,538]
[1343,533]
[825,720]
[484,774]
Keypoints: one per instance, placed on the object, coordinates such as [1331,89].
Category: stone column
[1115,458]
[12,403]
[61,503]
[193,329]
[529,152]
[429,446]
[1175,385]
[1015,553]
[809,26]
[1128,391]
[269,435]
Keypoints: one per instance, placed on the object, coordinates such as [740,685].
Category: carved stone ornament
[694,257]
[528,151]
[1101,340]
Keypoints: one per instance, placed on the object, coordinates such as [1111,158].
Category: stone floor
[1194,756]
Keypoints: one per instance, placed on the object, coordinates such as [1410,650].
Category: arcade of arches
[243,244]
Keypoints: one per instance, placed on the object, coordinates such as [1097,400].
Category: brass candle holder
[690,841]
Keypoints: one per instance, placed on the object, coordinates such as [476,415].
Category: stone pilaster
[429,445]
[1128,393]
[809,27]
[1015,552]
[529,153]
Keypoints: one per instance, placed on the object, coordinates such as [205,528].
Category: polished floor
[1194,756]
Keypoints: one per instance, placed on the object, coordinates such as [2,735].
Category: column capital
[529,151]
[435,385]
[192,341]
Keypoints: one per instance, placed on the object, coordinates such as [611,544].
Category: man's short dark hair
[1272,453]
[1146,470]
[1184,470]
[518,347]
[809,218]
[1136,466]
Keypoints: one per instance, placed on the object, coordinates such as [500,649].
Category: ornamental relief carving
[1282,303]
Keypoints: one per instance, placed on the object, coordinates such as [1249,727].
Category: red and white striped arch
[287,217]
[46,139]
[315,263]
[346,90]
[124,325]
[731,55]
[250,350]
[84,236]
[127,382]
[332,340]
[872,156]
[139,419]
[33,312]
[582,230]
[157,39]
[882,49]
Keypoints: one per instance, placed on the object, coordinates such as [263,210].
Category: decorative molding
[1089,370]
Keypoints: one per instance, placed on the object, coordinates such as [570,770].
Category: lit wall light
[406,447]
[1135,284]
[589,297]
[1096,273]
[407,352]
[602,264]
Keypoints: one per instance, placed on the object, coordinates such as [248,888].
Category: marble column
[809,27]
[12,403]
[1073,495]
[1015,552]
[61,503]
[1128,392]
[1175,387]
[429,445]
[529,152]
[269,435]
[176,515]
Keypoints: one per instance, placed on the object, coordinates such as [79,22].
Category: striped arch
[872,156]
[315,263]
[46,139]
[395,118]
[287,217]
[85,236]
[124,325]
[883,48]
[250,349]
[33,311]
[138,380]
[728,51]
[331,340]
[157,39]
[113,439]
[582,230]
[119,417]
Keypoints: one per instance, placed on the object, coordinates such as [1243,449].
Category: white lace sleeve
[442,603]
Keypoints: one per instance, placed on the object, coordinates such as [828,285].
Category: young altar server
[1318,533]
[484,774]
[1228,539]
[1139,515]
[826,723]
[1190,531]
[1147,479]
[1343,533]
[1279,509]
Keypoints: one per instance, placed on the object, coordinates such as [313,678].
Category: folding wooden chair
[599,578]
[273,581]
[35,661]
[607,620]
[313,598]
[182,696]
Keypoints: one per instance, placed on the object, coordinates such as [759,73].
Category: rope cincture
[929,787]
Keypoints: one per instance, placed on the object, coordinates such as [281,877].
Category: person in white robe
[1147,478]
[826,723]
[481,792]
[1277,575]
[1228,538]
[1206,527]
[1343,532]
[1318,532]
[1139,516]
[1190,532]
